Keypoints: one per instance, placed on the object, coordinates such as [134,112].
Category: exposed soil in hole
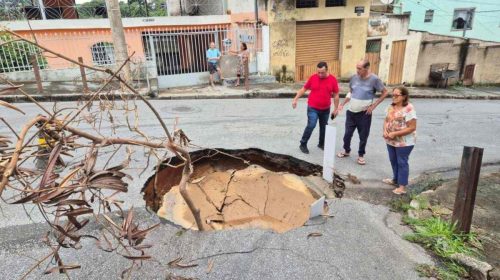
[247,188]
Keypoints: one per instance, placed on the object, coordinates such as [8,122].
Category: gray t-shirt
[363,92]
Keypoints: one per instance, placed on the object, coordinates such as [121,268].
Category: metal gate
[180,56]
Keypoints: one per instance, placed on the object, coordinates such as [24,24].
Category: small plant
[431,271]
[441,237]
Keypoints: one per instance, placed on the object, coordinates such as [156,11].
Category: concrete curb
[244,95]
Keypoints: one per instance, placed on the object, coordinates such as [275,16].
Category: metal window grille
[306,4]
[103,53]
[429,14]
[335,3]
[15,56]
[373,46]
[183,50]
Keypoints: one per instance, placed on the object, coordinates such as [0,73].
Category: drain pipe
[256,12]
[464,48]
[464,51]
[256,37]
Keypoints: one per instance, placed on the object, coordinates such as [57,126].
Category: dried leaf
[196,181]
[353,179]
[62,268]
[143,233]
[314,234]
[78,212]
[77,202]
[176,264]
[143,257]
[54,155]
[9,90]
[210,266]
[10,106]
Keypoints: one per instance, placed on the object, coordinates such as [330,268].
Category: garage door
[317,41]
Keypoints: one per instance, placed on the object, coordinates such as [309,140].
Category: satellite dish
[386,2]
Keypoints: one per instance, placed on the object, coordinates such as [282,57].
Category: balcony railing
[12,10]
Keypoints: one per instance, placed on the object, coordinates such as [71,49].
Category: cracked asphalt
[361,241]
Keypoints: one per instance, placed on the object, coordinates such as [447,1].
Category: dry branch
[65,193]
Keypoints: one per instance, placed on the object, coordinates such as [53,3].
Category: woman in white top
[399,133]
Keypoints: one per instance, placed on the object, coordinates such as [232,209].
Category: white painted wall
[173,7]
[244,6]
[398,30]
[263,57]
[104,23]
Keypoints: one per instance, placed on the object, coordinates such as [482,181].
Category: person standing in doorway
[400,125]
[363,87]
[322,86]
[213,57]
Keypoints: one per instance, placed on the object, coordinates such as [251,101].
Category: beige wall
[352,45]
[282,49]
[397,30]
[444,49]
[283,16]
[487,60]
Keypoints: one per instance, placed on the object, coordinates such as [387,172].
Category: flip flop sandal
[395,191]
[342,155]
[389,182]
[361,161]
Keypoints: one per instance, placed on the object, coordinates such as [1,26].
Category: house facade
[479,19]
[302,33]
[417,45]
[170,49]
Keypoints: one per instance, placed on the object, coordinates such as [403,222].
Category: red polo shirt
[320,97]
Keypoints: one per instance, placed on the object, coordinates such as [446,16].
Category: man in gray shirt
[363,87]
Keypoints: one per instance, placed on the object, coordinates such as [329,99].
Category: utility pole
[42,9]
[119,43]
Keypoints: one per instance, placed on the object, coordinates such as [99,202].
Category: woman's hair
[405,93]
[244,46]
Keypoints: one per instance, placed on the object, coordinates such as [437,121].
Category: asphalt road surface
[361,241]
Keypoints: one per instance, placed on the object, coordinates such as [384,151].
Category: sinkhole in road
[248,188]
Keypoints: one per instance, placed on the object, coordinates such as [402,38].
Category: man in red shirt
[323,86]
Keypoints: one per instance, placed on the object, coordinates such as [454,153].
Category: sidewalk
[69,91]
[277,90]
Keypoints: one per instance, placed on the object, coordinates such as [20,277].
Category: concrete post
[119,43]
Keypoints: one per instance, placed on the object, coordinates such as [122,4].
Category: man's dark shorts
[212,67]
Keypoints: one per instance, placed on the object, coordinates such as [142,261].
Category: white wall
[104,23]
[263,57]
[398,30]
[244,6]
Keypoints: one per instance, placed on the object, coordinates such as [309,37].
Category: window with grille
[103,53]
[335,3]
[429,14]
[306,4]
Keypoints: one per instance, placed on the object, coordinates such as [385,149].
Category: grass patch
[441,273]
[440,237]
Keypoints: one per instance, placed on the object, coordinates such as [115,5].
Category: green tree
[92,9]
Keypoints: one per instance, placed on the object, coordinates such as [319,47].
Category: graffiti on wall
[280,48]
